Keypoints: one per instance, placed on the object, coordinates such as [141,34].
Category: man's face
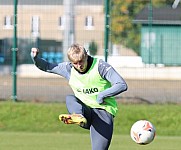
[81,65]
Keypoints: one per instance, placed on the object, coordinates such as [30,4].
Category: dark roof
[50,2]
[164,15]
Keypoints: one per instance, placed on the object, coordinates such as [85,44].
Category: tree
[93,48]
[123,12]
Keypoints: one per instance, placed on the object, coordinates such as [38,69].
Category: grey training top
[106,71]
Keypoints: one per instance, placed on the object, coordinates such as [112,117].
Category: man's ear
[86,55]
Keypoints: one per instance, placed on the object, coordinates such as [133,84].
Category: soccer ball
[142,132]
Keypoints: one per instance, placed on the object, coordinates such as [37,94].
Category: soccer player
[94,83]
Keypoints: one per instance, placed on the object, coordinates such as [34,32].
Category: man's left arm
[118,83]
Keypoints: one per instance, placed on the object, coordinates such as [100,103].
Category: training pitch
[63,141]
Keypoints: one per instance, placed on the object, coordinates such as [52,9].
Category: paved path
[56,89]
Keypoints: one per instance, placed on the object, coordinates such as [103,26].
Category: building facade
[43,24]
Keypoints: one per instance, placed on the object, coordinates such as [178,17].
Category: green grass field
[77,141]
[35,126]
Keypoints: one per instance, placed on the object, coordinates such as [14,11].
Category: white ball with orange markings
[143,132]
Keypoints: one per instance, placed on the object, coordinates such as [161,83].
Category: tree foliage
[123,30]
[93,48]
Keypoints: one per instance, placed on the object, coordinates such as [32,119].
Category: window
[89,23]
[35,24]
[8,23]
[61,23]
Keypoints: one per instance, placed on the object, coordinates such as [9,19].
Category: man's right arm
[41,63]
[62,69]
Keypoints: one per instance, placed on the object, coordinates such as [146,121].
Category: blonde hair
[76,53]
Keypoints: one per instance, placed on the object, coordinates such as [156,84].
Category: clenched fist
[34,52]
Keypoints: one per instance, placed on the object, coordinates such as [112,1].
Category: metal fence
[150,29]
[147,31]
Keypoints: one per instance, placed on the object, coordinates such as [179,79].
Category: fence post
[106,34]
[150,19]
[14,53]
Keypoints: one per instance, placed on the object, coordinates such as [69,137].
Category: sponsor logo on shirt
[88,90]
